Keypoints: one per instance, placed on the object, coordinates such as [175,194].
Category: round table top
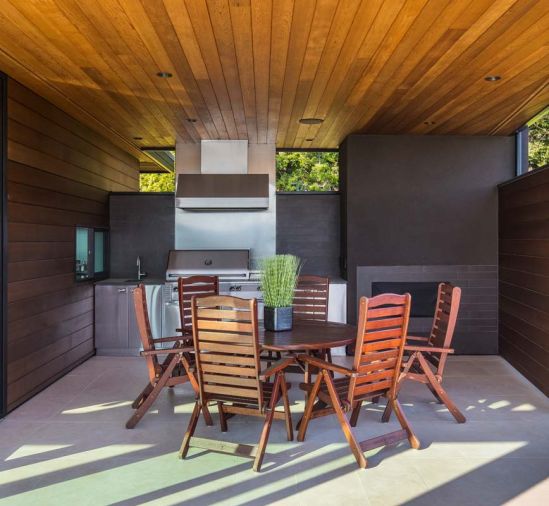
[308,335]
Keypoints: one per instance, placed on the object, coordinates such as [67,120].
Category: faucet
[140,274]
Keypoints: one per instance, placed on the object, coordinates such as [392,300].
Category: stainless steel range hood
[206,192]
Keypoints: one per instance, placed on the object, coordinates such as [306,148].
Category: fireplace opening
[424,294]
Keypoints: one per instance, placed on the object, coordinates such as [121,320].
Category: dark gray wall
[140,224]
[421,200]
[307,225]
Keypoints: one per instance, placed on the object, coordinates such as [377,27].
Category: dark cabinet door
[111,319]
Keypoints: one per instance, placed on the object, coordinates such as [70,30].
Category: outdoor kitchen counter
[122,281]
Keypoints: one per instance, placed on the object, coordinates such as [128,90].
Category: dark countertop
[122,281]
[160,281]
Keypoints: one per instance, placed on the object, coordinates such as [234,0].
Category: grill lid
[227,263]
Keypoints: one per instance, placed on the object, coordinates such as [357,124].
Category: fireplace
[424,294]
[477,324]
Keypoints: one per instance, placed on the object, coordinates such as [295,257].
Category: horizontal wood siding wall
[524,276]
[59,176]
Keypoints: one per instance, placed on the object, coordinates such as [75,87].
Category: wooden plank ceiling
[250,69]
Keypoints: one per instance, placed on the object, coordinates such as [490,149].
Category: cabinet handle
[121,290]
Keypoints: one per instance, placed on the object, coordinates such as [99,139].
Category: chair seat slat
[384,323]
[224,313]
[236,349]
[230,359]
[382,334]
[229,380]
[230,370]
[374,376]
[224,325]
[381,345]
[373,387]
[246,393]
[377,366]
[228,337]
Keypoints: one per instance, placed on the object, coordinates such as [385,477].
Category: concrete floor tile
[69,445]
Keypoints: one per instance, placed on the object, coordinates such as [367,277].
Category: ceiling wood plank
[250,69]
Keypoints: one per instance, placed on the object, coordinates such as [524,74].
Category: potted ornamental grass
[278,281]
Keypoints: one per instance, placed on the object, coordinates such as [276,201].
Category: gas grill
[231,266]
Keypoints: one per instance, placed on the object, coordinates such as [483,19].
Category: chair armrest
[429,349]
[322,364]
[277,366]
[167,351]
[416,338]
[169,339]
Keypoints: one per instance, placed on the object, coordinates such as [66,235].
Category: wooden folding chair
[382,327]
[227,360]
[311,298]
[187,288]
[425,352]
[167,373]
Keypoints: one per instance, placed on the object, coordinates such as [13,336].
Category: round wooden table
[308,335]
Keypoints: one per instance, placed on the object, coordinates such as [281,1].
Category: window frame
[104,274]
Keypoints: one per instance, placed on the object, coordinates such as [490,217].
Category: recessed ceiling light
[138,138]
[192,120]
[164,75]
[429,122]
[492,78]
[309,140]
[311,121]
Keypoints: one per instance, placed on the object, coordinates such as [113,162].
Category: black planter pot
[278,318]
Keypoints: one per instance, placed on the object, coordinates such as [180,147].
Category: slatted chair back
[227,349]
[382,328]
[200,286]
[144,327]
[311,298]
[444,322]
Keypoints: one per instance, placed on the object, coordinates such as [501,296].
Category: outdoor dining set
[234,363]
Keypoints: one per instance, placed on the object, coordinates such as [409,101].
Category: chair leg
[387,413]
[414,441]
[142,396]
[194,383]
[304,422]
[440,391]
[207,415]
[345,426]
[222,417]
[190,430]
[148,402]
[389,408]
[355,414]
[267,425]
[286,401]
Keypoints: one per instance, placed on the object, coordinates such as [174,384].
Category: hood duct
[215,192]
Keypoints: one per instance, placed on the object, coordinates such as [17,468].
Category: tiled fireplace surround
[476,330]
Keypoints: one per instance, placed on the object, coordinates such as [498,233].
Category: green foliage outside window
[538,143]
[157,182]
[307,171]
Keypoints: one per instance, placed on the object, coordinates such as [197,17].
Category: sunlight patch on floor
[67,461]
[96,407]
[29,450]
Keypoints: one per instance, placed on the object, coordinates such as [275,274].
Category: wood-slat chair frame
[188,287]
[311,298]
[227,355]
[433,351]
[382,327]
[173,370]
